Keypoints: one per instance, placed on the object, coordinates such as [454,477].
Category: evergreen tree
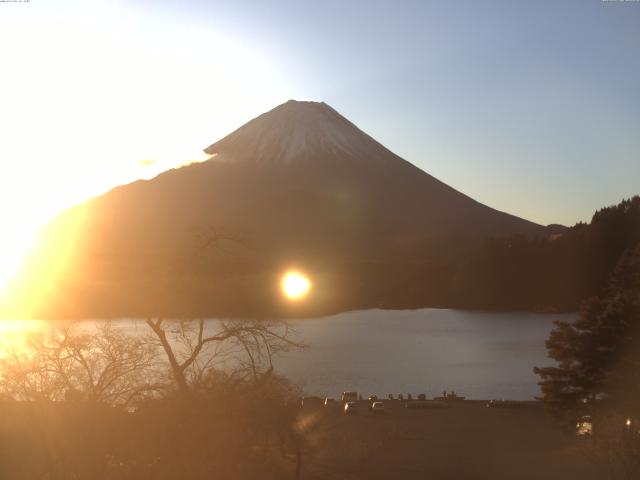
[598,355]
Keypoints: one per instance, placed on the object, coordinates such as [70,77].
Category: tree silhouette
[246,346]
[598,355]
[64,361]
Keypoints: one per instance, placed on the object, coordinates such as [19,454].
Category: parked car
[450,397]
[349,396]
[584,426]
[351,408]
[311,402]
[330,402]
[377,407]
[422,396]
[632,427]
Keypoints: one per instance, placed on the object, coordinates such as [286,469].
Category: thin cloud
[147,162]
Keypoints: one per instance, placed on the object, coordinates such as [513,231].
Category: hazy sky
[532,107]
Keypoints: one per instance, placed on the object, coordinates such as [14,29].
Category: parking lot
[464,441]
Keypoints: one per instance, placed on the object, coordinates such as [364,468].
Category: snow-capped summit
[295,131]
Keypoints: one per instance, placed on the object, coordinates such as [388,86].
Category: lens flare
[295,285]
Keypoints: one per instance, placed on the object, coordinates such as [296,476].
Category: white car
[377,407]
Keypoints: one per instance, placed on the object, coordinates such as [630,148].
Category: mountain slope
[299,185]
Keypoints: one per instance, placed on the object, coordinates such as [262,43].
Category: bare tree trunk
[176,368]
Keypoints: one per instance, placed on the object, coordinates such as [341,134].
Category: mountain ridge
[303,186]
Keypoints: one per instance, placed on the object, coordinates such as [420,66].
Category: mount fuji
[299,186]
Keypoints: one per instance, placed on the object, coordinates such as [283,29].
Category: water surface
[482,355]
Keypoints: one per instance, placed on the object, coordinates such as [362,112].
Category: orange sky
[93,100]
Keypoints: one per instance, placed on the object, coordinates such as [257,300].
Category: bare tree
[97,363]
[243,348]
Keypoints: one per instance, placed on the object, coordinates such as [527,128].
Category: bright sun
[295,285]
[239,77]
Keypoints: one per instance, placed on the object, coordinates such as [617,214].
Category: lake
[481,355]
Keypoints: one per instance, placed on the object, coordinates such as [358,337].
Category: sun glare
[295,285]
[14,333]
[87,94]
[13,250]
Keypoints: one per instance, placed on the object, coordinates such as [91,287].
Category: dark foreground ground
[239,438]
[465,441]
